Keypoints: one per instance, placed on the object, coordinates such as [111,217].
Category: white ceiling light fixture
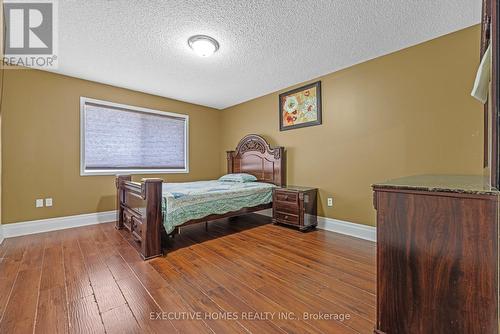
[203,45]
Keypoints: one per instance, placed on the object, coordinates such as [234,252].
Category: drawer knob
[286,217]
[286,197]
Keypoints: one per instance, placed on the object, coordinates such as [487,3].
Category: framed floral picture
[300,107]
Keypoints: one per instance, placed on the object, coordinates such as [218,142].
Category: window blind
[118,138]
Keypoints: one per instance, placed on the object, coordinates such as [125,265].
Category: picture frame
[300,107]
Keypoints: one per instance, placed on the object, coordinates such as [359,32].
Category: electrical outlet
[39,203]
[330,201]
[48,202]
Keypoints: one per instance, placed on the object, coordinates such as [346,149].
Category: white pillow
[238,177]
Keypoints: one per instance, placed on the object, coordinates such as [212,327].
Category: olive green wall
[41,144]
[406,113]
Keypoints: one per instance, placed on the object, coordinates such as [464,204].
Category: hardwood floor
[243,275]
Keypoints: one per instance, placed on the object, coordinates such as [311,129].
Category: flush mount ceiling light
[204,46]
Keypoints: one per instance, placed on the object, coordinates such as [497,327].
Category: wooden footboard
[139,211]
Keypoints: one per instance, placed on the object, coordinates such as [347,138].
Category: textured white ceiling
[264,45]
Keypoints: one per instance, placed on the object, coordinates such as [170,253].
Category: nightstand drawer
[287,207]
[286,196]
[286,218]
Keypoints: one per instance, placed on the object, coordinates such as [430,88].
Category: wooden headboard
[253,155]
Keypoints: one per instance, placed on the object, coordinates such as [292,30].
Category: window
[117,138]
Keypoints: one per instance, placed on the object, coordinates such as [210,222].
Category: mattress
[185,201]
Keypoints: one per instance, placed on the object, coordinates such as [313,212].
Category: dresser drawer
[283,217]
[136,229]
[287,207]
[133,224]
[286,196]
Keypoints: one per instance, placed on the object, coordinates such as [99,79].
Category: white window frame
[85,172]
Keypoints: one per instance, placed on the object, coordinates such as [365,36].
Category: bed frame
[139,203]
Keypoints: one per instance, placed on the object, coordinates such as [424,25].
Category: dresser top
[468,184]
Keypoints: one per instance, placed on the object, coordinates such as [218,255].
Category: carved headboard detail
[255,156]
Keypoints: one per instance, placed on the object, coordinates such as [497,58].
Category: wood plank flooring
[243,275]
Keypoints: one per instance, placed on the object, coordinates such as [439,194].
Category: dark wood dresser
[437,255]
[296,206]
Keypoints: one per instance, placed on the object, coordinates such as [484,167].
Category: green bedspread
[192,200]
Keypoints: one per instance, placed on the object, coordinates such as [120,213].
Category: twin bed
[152,209]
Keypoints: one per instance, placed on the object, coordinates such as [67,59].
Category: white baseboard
[59,223]
[364,232]
[265,212]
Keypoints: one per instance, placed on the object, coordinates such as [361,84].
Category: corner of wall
[222,142]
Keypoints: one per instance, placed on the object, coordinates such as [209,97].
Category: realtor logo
[29,28]
[30,36]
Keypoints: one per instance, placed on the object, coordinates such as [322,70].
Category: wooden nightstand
[295,206]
